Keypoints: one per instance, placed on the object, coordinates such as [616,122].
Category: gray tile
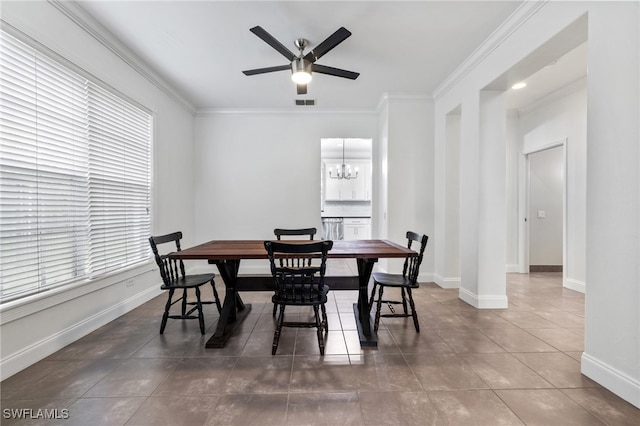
[503,371]
[197,376]
[250,409]
[330,373]
[473,407]
[57,379]
[175,410]
[384,372]
[399,408]
[324,409]
[101,411]
[444,372]
[546,407]
[466,366]
[517,340]
[608,407]
[260,375]
[134,377]
[557,368]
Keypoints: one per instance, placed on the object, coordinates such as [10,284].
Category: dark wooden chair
[174,278]
[405,282]
[298,232]
[300,285]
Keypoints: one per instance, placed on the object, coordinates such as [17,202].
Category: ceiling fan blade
[267,69]
[323,69]
[302,89]
[271,41]
[332,41]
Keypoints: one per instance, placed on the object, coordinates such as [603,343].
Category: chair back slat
[171,270]
[297,232]
[411,268]
[306,277]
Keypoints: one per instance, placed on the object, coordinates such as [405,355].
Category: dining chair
[292,232]
[300,285]
[406,281]
[174,278]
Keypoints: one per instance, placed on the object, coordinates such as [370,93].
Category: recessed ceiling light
[519,85]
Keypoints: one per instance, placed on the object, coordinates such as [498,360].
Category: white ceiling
[201,47]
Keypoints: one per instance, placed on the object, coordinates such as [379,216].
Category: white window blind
[74,175]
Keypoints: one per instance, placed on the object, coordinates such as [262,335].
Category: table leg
[362,310]
[233,309]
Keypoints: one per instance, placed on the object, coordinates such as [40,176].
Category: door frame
[524,203]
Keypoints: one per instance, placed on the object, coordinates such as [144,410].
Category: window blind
[74,175]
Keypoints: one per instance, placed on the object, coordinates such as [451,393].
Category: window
[74,175]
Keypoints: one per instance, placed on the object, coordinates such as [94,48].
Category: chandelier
[343,171]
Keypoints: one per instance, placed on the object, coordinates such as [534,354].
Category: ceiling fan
[302,66]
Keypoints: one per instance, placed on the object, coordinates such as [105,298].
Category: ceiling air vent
[305,102]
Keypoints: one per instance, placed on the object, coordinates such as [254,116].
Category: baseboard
[484,302]
[22,359]
[545,268]
[627,388]
[512,268]
[575,285]
[447,282]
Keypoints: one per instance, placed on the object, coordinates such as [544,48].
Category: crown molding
[302,110]
[79,16]
[521,15]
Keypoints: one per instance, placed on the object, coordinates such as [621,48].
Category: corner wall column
[482,201]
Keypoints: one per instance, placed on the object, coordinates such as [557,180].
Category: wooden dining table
[227,254]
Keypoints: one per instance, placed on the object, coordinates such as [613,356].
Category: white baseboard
[447,282]
[575,285]
[627,388]
[31,354]
[484,302]
[512,268]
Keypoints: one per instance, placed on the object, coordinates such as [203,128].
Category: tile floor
[466,366]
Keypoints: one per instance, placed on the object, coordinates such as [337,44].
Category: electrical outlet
[130,282]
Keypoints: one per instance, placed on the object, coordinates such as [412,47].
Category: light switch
[542,214]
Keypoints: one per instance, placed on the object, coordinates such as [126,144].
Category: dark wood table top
[254,249]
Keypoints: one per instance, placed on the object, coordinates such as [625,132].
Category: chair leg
[200,314]
[275,309]
[319,329]
[378,308]
[373,292]
[216,297]
[325,322]
[413,311]
[184,302]
[276,335]
[166,312]
[404,301]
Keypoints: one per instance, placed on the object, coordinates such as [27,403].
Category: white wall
[34,328]
[408,157]
[612,305]
[256,171]
[612,335]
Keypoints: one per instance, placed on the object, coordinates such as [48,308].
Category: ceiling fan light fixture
[301,71]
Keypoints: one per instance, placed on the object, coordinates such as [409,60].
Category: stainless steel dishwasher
[332,228]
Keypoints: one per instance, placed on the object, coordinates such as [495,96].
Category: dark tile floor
[466,366]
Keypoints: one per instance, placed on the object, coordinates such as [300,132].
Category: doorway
[546,209]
